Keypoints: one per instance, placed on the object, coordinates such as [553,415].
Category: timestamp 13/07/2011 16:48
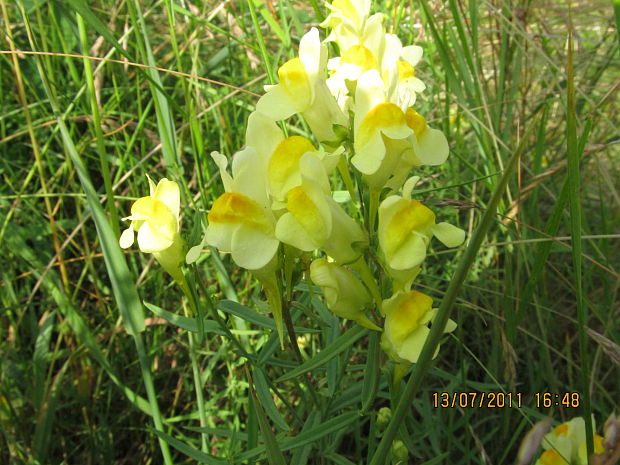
[503,399]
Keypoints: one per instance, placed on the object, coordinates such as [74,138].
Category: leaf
[188,450]
[274,454]
[264,394]
[307,437]
[183,322]
[249,315]
[331,351]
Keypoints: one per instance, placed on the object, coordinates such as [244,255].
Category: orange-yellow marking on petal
[381,116]
[232,207]
[405,70]
[409,218]
[561,430]
[405,319]
[360,56]
[285,159]
[598,444]
[551,457]
[295,82]
[416,121]
[156,213]
[301,206]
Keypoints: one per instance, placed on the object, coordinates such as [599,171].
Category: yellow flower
[240,220]
[302,89]
[375,121]
[398,71]
[314,220]
[284,170]
[566,443]
[351,12]
[344,294]
[406,227]
[407,315]
[156,220]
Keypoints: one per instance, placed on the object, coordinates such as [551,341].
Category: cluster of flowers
[278,204]
[566,443]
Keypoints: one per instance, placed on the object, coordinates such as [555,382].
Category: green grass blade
[198,456]
[575,232]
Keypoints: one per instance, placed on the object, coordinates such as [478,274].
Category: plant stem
[145,367]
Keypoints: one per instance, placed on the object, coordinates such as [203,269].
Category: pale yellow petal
[311,54]
[222,163]
[309,205]
[152,240]
[291,232]
[126,238]
[448,234]
[431,147]
[368,157]
[347,239]
[219,235]
[412,346]
[168,193]
[412,54]
[250,176]
[252,249]
[263,134]
[284,166]
[276,104]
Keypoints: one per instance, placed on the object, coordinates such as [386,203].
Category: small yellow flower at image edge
[155,219]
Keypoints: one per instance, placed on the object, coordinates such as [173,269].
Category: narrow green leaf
[249,315]
[40,358]
[302,454]
[372,372]
[338,346]
[320,431]
[575,232]
[308,437]
[188,450]
[183,322]
[274,454]
[264,394]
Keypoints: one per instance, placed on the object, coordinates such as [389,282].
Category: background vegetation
[69,374]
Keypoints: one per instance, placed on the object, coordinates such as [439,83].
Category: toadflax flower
[303,89]
[566,444]
[155,218]
[240,220]
[376,120]
[406,227]
[314,220]
[407,315]
[344,294]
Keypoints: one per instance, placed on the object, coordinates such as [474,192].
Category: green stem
[346,176]
[368,279]
[198,385]
[373,209]
[443,314]
[145,367]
